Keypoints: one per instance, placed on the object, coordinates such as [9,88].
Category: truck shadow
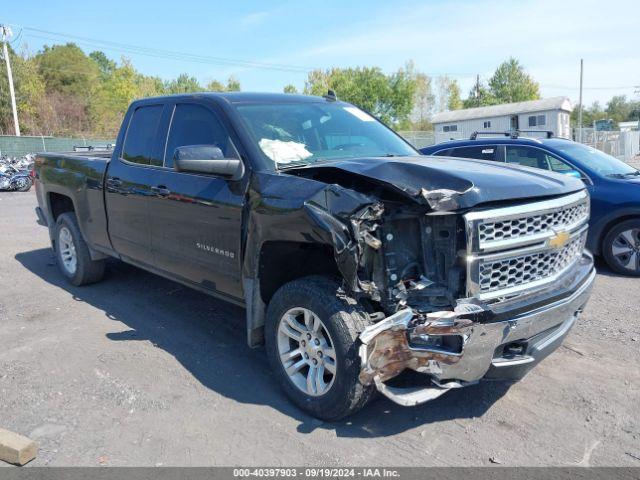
[207,337]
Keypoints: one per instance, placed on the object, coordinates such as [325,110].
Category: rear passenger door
[537,158]
[127,185]
[479,152]
[196,218]
[526,156]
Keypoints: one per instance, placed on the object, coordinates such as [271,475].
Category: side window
[558,165]
[532,121]
[528,157]
[196,125]
[486,124]
[542,120]
[141,135]
[484,152]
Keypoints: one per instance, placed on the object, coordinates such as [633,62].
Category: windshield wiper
[624,175]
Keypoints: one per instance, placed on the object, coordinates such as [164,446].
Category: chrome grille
[529,268]
[528,226]
[517,249]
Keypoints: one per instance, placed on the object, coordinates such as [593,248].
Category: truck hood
[448,183]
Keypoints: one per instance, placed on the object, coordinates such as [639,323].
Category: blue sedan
[614,186]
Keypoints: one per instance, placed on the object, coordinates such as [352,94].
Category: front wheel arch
[344,320]
[609,223]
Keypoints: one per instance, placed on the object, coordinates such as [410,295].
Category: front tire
[311,335]
[72,253]
[621,248]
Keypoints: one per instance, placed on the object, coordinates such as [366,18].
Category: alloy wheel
[67,250]
[626,249]
[306,351]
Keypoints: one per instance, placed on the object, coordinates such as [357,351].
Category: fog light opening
[441,343]
[514,349]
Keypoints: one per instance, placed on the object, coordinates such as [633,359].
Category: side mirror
[206,159]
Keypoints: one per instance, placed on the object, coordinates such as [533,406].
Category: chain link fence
[419,138]
[622,145]
[19,146]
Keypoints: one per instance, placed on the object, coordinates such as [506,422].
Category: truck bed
[80,177]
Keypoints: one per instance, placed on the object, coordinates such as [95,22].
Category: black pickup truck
[359,262]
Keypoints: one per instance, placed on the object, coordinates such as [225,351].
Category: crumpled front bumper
[492,343]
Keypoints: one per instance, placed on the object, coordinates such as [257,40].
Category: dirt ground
[140,371]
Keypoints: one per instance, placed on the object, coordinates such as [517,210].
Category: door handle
[114,182]
[161,190]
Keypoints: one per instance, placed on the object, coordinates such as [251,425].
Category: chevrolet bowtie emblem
[559,240]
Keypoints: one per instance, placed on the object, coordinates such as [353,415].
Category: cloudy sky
[270,44]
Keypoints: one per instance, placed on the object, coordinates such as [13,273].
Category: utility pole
[580,111]
[478,90]
[6,33]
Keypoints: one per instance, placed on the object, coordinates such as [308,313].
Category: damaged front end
[489,307]
[456,292]
[386,351]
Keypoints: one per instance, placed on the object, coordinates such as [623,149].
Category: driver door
[196,218]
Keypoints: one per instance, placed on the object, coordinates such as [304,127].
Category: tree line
[63,91]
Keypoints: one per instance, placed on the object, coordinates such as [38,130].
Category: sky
[267,45]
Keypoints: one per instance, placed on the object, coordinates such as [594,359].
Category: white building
[549,114]
[628,126]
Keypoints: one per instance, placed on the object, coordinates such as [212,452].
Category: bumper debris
[385,351]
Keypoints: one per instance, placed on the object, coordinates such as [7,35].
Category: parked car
[614,186]
[355,257]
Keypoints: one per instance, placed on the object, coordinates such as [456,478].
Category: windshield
[596,160]
[295,134]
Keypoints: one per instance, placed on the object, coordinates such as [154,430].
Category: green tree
[589,114]
[30,95]
[455,101]
[448,94]
[105,64]
[290,89]
[389,97]
[147,86]
[510,83]
[619,109]
[183,84]
[233,84]
[66,69]
[403,89]
[423,102]
[479,96]
[113,97]
[215,86]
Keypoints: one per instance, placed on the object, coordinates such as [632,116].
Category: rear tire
[72,253]
[621,248]
[340,325]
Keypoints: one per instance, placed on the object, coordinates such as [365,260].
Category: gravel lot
[140,371]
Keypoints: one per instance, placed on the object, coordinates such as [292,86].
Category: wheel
[621,248]
[311,335]
[73,255]
[23,184]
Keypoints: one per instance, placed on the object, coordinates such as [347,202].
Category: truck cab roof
[235,98]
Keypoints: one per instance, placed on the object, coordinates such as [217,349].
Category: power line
[206,59]
[160,53]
